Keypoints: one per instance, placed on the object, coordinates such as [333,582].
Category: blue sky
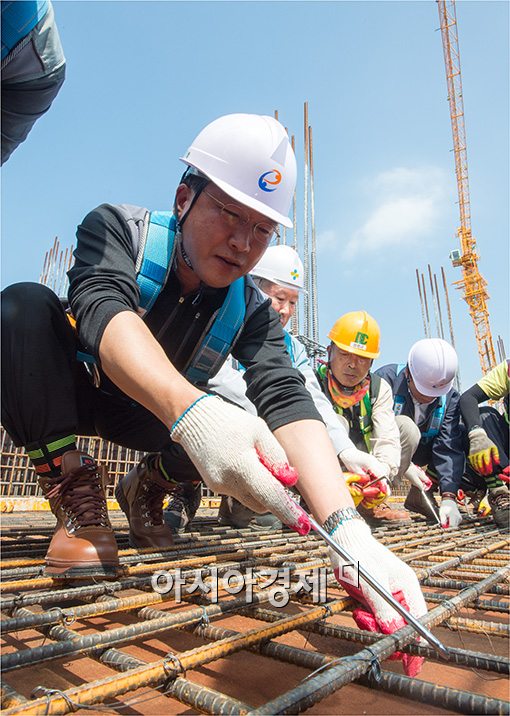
[144,77]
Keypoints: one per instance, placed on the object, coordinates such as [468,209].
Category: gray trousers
[410,437]
[32,75]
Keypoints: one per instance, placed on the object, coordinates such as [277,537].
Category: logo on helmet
[361,339]
[294,274]
[276,179]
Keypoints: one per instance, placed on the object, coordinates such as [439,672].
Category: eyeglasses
[234,217]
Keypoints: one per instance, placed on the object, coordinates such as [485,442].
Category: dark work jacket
[102,283]
[444,454]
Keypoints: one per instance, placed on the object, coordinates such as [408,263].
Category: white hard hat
[433,364]
[250,158]
[281,265]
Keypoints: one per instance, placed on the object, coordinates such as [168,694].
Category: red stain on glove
[367,621]
[288,476]
[283,472]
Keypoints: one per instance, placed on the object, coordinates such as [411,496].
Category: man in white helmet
[280,276]
[159,300]
[427,409]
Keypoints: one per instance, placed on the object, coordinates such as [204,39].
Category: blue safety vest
[18,19]
[435,419]
[155,261]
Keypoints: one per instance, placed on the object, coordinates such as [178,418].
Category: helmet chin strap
[180,222]
[182,250]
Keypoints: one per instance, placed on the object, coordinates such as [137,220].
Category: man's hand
[449,513]
[418,477]
[483,453]
[360,462]
[375,614]
[237,455]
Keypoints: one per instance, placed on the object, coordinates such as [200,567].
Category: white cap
[281,265]
[249,157]
[433,364]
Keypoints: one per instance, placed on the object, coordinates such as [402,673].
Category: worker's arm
[136,363]
[309,449]
[385,435]
[469,402]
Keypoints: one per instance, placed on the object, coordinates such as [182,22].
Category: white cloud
[327,240]
[406,204]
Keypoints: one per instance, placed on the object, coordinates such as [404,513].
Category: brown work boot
[499,500]
[140,495]
[380,514]
[83,544]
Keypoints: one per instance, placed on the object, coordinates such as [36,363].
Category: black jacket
[102,283]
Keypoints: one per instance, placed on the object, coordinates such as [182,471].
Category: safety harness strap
[157,257]
[436,417]
[155,262]
[217,343]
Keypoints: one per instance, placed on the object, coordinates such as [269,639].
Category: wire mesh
[237,644]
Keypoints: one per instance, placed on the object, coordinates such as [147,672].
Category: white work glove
[449,513]
[418,477]
[375,614]
[360,462]
[237,455]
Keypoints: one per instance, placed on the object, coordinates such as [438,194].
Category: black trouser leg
[43,387]
[46,394]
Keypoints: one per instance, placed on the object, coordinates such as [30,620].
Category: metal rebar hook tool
[389,598]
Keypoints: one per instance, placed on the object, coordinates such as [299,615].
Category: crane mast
[472,283]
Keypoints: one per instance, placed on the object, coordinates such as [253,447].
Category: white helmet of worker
[433,364]
[281,265]
[250,158]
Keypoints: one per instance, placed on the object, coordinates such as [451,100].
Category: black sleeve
[102,281]
[274,386]
[469,402]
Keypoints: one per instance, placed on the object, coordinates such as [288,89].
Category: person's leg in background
[410,437]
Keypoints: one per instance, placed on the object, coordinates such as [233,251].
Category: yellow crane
[472,283]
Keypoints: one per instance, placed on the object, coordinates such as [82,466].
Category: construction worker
[33,68]
[488,450]
[159,300]
[427,411]
[280,276]
[364,407]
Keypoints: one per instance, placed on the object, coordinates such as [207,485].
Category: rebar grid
[132,613]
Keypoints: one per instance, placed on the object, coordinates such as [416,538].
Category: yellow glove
[370,496]
[483,453]
[354,484]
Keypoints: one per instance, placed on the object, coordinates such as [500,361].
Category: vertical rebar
[421,304]
[501,349]
[295,318]
[450,324]
[439,307]
[42,277]
[306,248]
[313,270]
[426,304]
[283,238]
[434,303]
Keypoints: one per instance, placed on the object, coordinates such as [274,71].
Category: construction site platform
[122,647]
